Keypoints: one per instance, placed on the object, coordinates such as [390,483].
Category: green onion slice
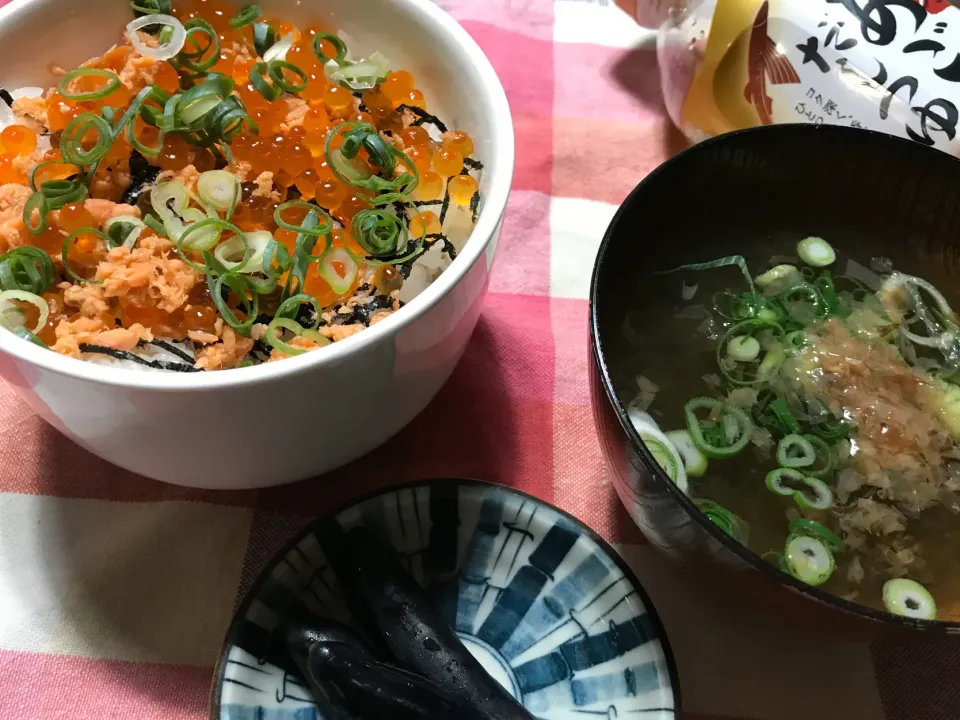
[724,434]
[694,461]
[320,225]
[219,189]
[275,70]
[259,82]
[264,37]
[71,141]
[27,268]
[808,559]
[740,339]
[124,230]
[36,204]
[345,165]
[7,296]
[65,251]
[249,15]
[112,83]
[29,336]
[808,492]
[659,446]
[339,46]
[243,257]
[810,307]
[290,307]
[743,348]
[171,41]
[241,288]
[731,524]
[816,252]
[342,279]
[825,458]
[778,278]
[272,336]
[795,451]
[194,60]
[302,254]
[909,598]
[803,526]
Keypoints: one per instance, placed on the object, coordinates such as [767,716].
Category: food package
[886,65]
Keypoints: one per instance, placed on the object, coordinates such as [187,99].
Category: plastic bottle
[886,65]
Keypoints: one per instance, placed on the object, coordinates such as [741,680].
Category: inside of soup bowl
[661,338]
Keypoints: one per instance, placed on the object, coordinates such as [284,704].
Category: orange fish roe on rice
[181,188]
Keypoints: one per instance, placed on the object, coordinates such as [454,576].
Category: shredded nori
[172,349]
[424,117]
[361,313]
[142,174]
[473,164]
[475,206]
[422,203]
[445,206]
[124,355]
[6,97]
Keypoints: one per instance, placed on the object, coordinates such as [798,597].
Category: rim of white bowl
[494,205]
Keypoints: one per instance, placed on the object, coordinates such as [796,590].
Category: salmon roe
[462,189]
[448,162]
[426,223]
[430,187]
[18,139]
[458,141]
[397,86]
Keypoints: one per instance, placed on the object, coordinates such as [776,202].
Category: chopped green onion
[315,228]
[272,335]
[72,140]
[808,492]
[249,15]
[339,282]
[725,434]
[781,418]
[302,254]
[260,84]
[290,307]
[65,251]
[778,278]
[58,193]
[730,260]
[204,232]
[36,204]
[909,598]
[804,312]
[243,257]
[264,36]
[338,45]
[808,559]
[727,521]
[357,135]
[275,71]
[824,454]
[359,76]
[150,7]
[816,252]
[745,371]
[219,189]
[27,268]
[28,297]
[743,348]
[795,339]
[694,461]
[174,40]
[228,119]
[803,526]
[124,230]
[199,100]
[240,287]
[795,451]
[113,82]
[189,59]
[29,336]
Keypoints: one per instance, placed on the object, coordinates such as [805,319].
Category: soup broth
[842,371]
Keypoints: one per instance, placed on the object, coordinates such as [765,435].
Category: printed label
[887,65]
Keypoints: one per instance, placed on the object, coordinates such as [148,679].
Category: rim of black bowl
[799,132]
[611,552]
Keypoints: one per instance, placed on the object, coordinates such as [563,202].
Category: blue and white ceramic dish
[548,607]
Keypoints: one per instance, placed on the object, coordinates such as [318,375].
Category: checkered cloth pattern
[116,591]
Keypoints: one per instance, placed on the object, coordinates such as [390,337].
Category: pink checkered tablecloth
[116,591]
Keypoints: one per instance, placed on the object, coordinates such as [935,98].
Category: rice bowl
[406,356]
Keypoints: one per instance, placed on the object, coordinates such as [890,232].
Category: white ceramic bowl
[290,420]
